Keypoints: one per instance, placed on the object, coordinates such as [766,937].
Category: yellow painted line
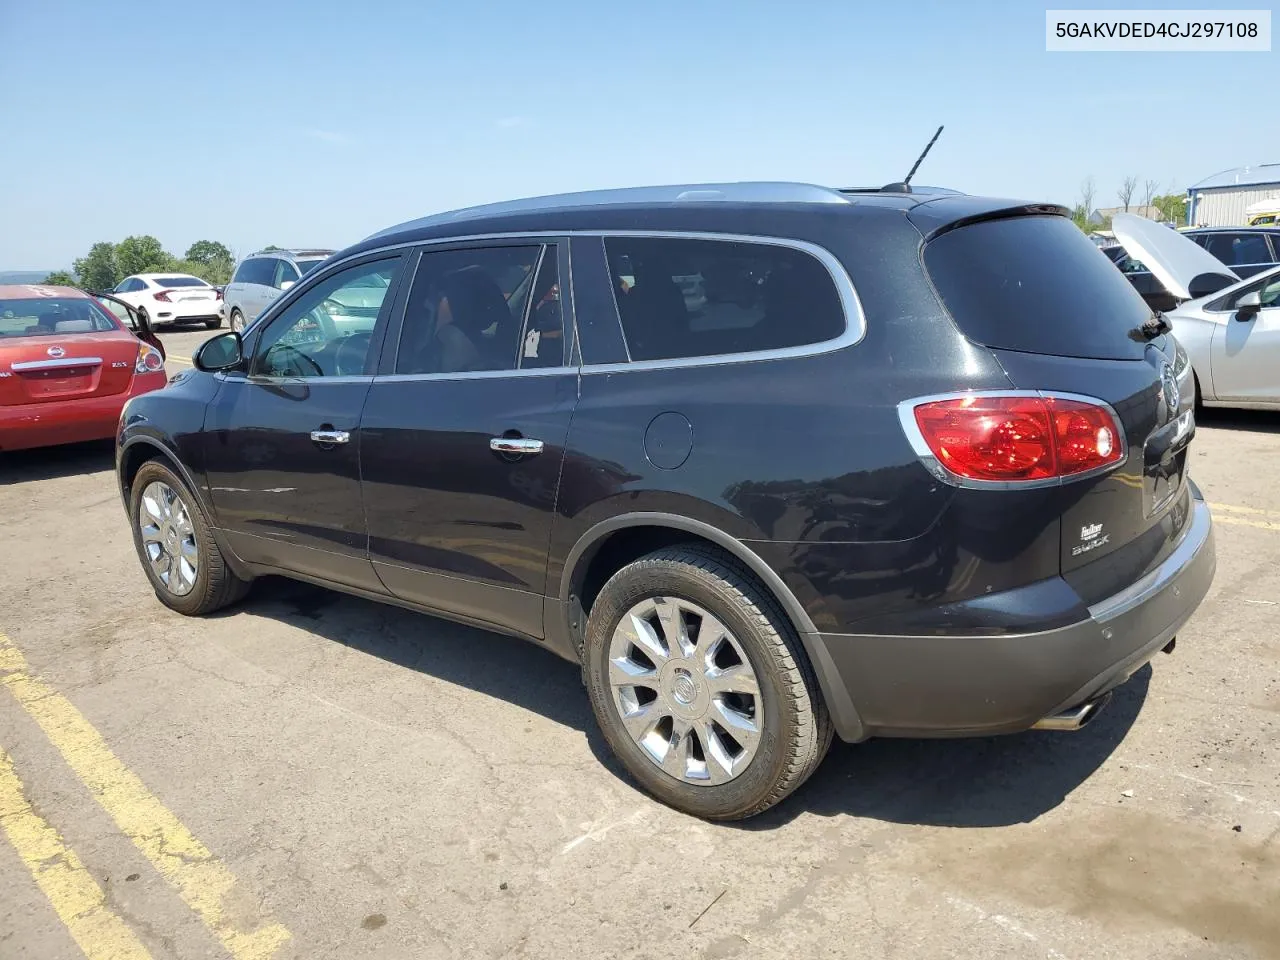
[202,880]
[177,359]
[1233,509]
[62,878]
[1242,522]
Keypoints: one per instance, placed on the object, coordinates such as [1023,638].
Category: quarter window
[326,332]
[682,298]
[467,310]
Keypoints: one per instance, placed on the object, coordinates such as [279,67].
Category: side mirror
[286,284]
[223,352]
[1248,306]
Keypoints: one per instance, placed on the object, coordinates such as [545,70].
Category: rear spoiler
[942,214]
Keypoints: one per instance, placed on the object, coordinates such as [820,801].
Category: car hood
[1186,269]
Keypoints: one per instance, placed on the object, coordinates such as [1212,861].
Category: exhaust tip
[1074,718]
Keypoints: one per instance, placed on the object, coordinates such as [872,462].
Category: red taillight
[1019,438]
[217,294]
[163,296]
[149,359]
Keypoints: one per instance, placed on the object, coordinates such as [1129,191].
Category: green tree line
[106,263]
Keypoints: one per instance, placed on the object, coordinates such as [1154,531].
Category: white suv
[261,277]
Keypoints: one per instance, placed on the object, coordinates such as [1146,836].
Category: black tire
[1196,404]
[213,324]
[237,321]
[797,727]
[215,585]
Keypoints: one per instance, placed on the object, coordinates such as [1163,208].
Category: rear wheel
[701,687]
[237,321]
[174,544]
[213,324]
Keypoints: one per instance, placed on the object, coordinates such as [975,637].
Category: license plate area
[46,384]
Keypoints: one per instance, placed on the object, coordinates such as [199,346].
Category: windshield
[1037,285]
[46,316]
[180,282]
[306,266]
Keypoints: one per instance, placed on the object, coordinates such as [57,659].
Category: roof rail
[744,192]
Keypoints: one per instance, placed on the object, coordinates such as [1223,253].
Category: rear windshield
[180,282]
[1037,285]
[48,316]
[306,266]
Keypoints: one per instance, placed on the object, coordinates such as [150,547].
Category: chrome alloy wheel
[168,538]
[685,691]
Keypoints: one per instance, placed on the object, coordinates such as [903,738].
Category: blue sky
[321,122]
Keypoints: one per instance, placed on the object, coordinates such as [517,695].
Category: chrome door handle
[330,436]
[518,445]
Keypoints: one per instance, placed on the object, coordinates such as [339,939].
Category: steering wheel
[351,352]
[288,361]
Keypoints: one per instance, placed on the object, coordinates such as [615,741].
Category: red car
[68,365]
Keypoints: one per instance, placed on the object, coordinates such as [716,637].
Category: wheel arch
[654,530]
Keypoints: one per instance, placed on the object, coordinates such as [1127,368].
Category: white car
[165,299]
[1229,327]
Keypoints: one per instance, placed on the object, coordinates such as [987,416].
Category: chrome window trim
[855,322]
[66,363]
[906,417]
[475,374]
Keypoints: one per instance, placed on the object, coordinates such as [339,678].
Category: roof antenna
[905,185]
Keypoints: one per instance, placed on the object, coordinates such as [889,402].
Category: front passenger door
[282,439]
[1246,347]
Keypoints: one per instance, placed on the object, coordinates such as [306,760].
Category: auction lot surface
[313,776]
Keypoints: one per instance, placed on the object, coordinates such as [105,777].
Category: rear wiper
[1156,326]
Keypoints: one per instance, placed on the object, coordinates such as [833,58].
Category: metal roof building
[1220,200]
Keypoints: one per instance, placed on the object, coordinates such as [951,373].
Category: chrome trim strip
[1194,537]
[474,374]
[854,317]
[906,417]
[285,381]
[55,364]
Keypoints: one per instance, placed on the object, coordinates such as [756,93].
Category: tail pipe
[1075,717]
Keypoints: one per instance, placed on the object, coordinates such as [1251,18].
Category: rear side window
[682,298]
[256,271]
[1037,285]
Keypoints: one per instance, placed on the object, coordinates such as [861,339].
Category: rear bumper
[187,313]
[944,685]
[70,421]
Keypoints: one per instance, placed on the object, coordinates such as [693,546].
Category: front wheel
[700,685]
[237,321]
[174,544]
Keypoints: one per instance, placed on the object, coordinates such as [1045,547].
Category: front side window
[319,334]
[1239,249]
[681,298]
[284,273]
[467,310]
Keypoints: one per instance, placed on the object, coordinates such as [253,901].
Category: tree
[98,269]
[210,260]
[60,278]
[1149,189]
[142,254]
[1172,206]
[1125,193]
[1087,192]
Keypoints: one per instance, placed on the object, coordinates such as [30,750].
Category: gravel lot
[313,776]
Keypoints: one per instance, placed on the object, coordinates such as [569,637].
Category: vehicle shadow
[51,463]
[1252,421]
[985,782]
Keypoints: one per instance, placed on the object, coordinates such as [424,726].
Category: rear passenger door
[464,430]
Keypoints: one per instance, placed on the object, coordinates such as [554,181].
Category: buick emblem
[55,351]
[1169,387]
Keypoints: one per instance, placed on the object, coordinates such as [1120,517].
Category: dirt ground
[313,776]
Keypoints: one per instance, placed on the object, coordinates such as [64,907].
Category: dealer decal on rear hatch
[1092,534]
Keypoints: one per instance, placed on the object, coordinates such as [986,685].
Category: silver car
[262,277]
[1229,327]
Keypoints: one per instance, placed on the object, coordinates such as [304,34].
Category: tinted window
[259,270]
[306,266]
[466,310]
[326,332]
[1237,249]
[543,344]
[1036,284]
[47,316]
[180,282]
[701,298]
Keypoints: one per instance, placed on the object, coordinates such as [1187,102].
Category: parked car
[67,367]
[168,299]
[1229,325]
[869,499]
[1247,251]
[261,278]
